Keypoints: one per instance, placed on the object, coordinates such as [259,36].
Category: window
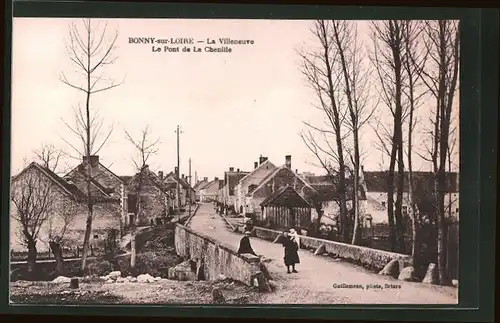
[456,210]
[383,204]
[96,236]
[405,208]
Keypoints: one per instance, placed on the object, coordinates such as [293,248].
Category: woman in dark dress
[245,246]
[291,252]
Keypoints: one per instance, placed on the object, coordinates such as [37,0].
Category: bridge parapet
[368,257]
[212,258]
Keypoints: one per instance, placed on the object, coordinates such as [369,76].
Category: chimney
[238,170]
[216,178]
[160,174]
[94,160]
[182,176]
[288,161]
[205,178]
[231,169]
[362,168]
[176,170]
[296,171]
[255,165]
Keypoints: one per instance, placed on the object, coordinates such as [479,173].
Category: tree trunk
[390,199]
[56,249]
[356,235]
[32,254]
[88,147]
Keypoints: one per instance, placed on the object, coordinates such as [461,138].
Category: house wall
[153,205]
[106,216]
[282,178]
[209,193]
[254,178]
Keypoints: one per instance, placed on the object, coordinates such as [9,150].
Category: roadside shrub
[100,268]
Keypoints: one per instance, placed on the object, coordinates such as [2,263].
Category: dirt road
[323,280]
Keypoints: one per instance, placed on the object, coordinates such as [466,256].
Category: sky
[231,107]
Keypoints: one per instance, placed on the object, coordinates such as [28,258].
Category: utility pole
[178,131]
[189,194]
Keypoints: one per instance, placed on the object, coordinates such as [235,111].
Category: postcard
[234,161]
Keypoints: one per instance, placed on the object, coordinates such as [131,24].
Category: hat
[248,232]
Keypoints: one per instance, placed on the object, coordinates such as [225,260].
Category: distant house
[231,178]
[209,191]
[66,197]
[285,209]
[198,186]
[327,197]
[374,183]
[281,177]
[172,180]
[262,168]
[154,197]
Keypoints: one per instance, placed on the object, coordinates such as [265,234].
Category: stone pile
[116,277]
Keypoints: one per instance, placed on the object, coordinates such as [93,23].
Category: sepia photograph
[234,161]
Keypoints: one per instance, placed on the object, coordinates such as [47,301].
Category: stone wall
[215,258]
[368,257]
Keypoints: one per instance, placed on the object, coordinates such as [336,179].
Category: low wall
[192,214]
[215,258]
[372,258]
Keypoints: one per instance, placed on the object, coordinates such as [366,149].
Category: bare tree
[51,158]
[388,58]
[144,148]
[441,78]
[91,50]
[355,78]
[63,216]
[33,201]
[414,61]
[318,68]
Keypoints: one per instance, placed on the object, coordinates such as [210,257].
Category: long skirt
[291,257]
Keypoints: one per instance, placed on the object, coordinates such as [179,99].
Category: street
[322,280]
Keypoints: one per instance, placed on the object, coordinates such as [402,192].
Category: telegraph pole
[178,131]
[189,194]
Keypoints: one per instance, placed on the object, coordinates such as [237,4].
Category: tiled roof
[150,178]
[266,163]
[200,184]
[377,181]
[285,196]
[182,182]
[69,188]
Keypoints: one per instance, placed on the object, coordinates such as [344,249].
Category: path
[317,274]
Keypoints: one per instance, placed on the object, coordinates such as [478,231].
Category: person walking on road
[291,245]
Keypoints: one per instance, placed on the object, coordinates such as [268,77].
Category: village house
[198,186]
[262,168]
[327,199]
[68,209]
[209,192]
[154,197]
[374,183]
[281,177]
[172,180]
[231,178]
[104,179]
